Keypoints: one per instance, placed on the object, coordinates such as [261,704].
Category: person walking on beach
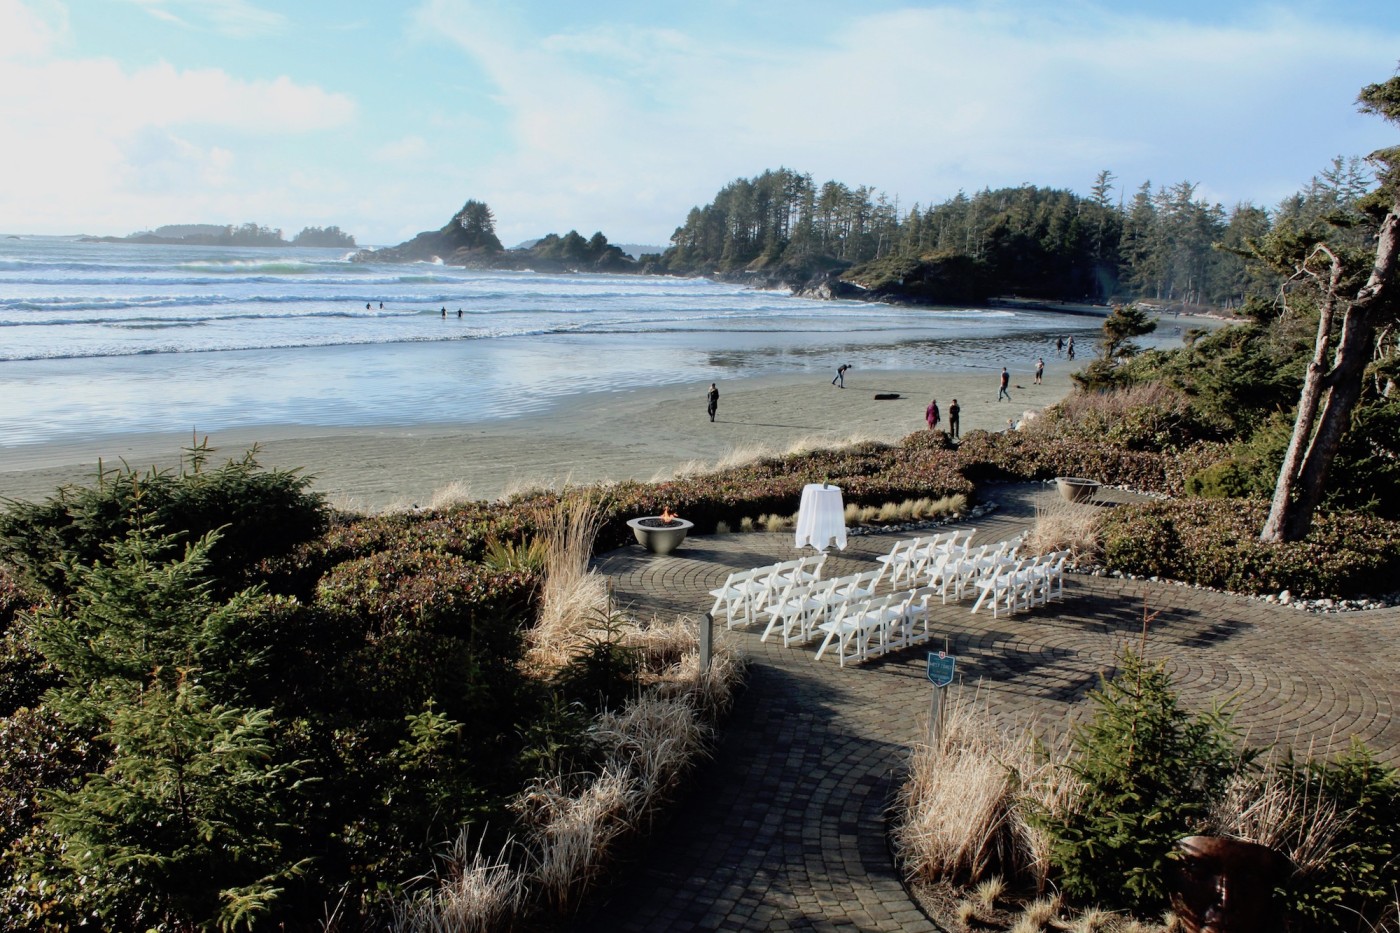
[953,412]
[1069,349]
[1059,345]
[1039,370]
[931,415]
[1005,381]
[840,380]
[714,400]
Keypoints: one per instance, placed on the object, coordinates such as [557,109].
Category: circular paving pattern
[785,828]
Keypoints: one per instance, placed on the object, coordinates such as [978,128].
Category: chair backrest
[938,543]
[867,578]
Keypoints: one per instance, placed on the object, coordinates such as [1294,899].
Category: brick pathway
[786,827]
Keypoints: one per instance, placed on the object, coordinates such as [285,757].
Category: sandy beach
[640,434]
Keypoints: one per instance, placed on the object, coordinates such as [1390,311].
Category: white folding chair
[929,550]
[961,572]
[960,542]
[1002,585]
[840,627]
[1055,576]
[861,585]
[824,603]
[784,596]
[734,596]
[917,611]
[897,560]
[871,624]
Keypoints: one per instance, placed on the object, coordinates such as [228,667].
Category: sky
[621,115]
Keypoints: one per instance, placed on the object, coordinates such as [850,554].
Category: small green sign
[940,668]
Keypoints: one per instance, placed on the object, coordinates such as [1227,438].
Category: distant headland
[249,234]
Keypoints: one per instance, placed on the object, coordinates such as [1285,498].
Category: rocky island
[469,239]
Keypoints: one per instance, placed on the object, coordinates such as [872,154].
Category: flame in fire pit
[667,516]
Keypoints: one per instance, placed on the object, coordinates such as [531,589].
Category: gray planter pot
[1076,489]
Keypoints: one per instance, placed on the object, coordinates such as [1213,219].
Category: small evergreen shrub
[1148,771]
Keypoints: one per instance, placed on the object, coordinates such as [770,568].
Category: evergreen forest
[1159,243]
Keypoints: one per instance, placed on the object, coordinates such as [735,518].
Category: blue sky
[621,115]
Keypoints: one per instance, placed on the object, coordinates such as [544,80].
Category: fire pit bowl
[1077,489]
[658,535]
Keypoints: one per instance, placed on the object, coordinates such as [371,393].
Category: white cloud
[604,123]
[30,30]
[96,145]
[236,19]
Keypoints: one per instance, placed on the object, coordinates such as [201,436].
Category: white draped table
[821,519]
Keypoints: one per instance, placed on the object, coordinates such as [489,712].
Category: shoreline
[641,434]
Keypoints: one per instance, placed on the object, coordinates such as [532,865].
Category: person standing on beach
[1059,345]
[840,380]
[1005,381]
[931,415]
[1039,370]
[953,412]
[714,400]
[1069,349]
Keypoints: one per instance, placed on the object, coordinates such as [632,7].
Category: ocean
[112,338]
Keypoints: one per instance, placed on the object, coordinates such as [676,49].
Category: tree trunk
[1303,475]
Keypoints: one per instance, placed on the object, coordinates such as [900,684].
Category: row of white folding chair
[899,559]
[866,627]
[736,597]
[1024,583]
[957,572]
[800,606]
[746,593]
[909,558]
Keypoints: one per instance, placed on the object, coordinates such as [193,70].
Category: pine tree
[1148,771]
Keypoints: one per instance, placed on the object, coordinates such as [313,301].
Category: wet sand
[643,434]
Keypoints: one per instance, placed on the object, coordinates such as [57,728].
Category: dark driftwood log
[885,396]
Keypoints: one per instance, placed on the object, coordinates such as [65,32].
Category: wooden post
[707,641]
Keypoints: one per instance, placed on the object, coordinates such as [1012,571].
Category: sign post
[941,666]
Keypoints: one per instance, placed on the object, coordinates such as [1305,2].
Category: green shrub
[603,675]
[1215,542]
[257,513]
[187,825]
[1036,455]
[1148,771]
[427,625]
[1358,883]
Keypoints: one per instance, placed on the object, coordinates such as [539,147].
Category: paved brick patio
[786,827]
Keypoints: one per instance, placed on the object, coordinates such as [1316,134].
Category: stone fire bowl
[657,537]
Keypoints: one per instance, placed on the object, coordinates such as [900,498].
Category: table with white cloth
[821,519]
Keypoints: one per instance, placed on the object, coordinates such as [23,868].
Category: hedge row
[1016,455]
[1215,542]
[868,474]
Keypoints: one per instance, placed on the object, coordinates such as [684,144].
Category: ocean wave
[243,266]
